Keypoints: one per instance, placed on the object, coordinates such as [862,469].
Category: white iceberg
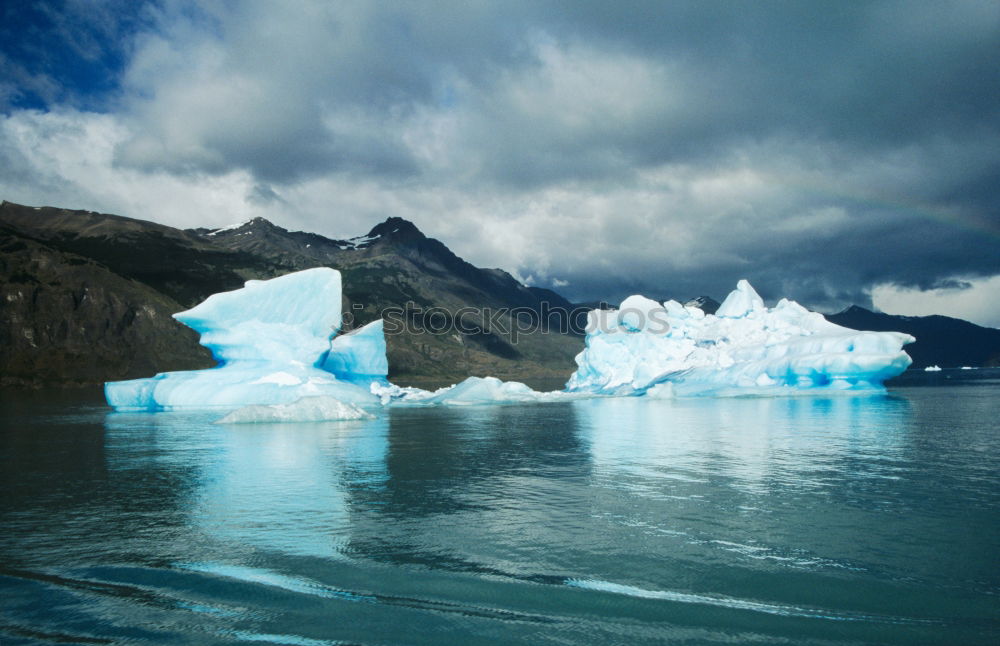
[470,392]
[306,409]
[744,348]
[934,368]
[741,302]
[279,355]
[269,338]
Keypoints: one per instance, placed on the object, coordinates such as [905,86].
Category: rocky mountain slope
[707,304]
[68,319]
[458,319]
[87,297]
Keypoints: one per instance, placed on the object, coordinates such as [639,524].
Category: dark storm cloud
[825,267]
[662,147]
[874,75]
[882,69]
[699,77]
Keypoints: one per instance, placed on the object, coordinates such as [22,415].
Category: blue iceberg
[270,337]
[276,342]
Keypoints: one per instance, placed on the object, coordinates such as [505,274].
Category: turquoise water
[809,520]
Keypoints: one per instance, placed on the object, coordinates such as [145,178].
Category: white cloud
[66,159]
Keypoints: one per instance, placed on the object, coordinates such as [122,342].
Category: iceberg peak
[269,320]
[741,301]
[638,313]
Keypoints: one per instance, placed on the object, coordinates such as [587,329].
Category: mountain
[460,319]
[395,241]
[68,319]
[176,263]
[941,340]
[88,297]
[706,304]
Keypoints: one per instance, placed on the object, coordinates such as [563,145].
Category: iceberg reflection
[752,441]
[287,488]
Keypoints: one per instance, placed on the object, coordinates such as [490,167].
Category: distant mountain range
[86,297]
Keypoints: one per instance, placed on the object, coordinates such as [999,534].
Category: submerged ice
[280,357]
[471,391]
[306,409]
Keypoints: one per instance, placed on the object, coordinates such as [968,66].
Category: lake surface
[799,520]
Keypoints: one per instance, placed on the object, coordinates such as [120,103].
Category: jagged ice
[276,344]
[744,347]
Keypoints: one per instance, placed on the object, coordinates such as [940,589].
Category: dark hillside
[89,297]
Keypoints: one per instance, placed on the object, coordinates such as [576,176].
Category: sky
[833,153]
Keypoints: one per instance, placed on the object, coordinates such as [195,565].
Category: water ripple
[301,585]
[738,604]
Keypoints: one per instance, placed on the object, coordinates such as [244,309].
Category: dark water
[811,520]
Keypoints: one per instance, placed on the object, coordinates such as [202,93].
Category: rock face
[175,263]
[66,319]
[87,298]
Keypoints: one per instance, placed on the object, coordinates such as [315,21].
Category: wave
[738,604]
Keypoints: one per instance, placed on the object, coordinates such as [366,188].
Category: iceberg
[281,359]
[741,302]
[470,392]
[744,348]
[270,338]
[480,390]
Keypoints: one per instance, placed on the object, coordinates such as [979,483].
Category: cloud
[665,148]
[973,300]
[66,158]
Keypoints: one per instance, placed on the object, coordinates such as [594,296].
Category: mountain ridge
[394,266]
[96,292]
